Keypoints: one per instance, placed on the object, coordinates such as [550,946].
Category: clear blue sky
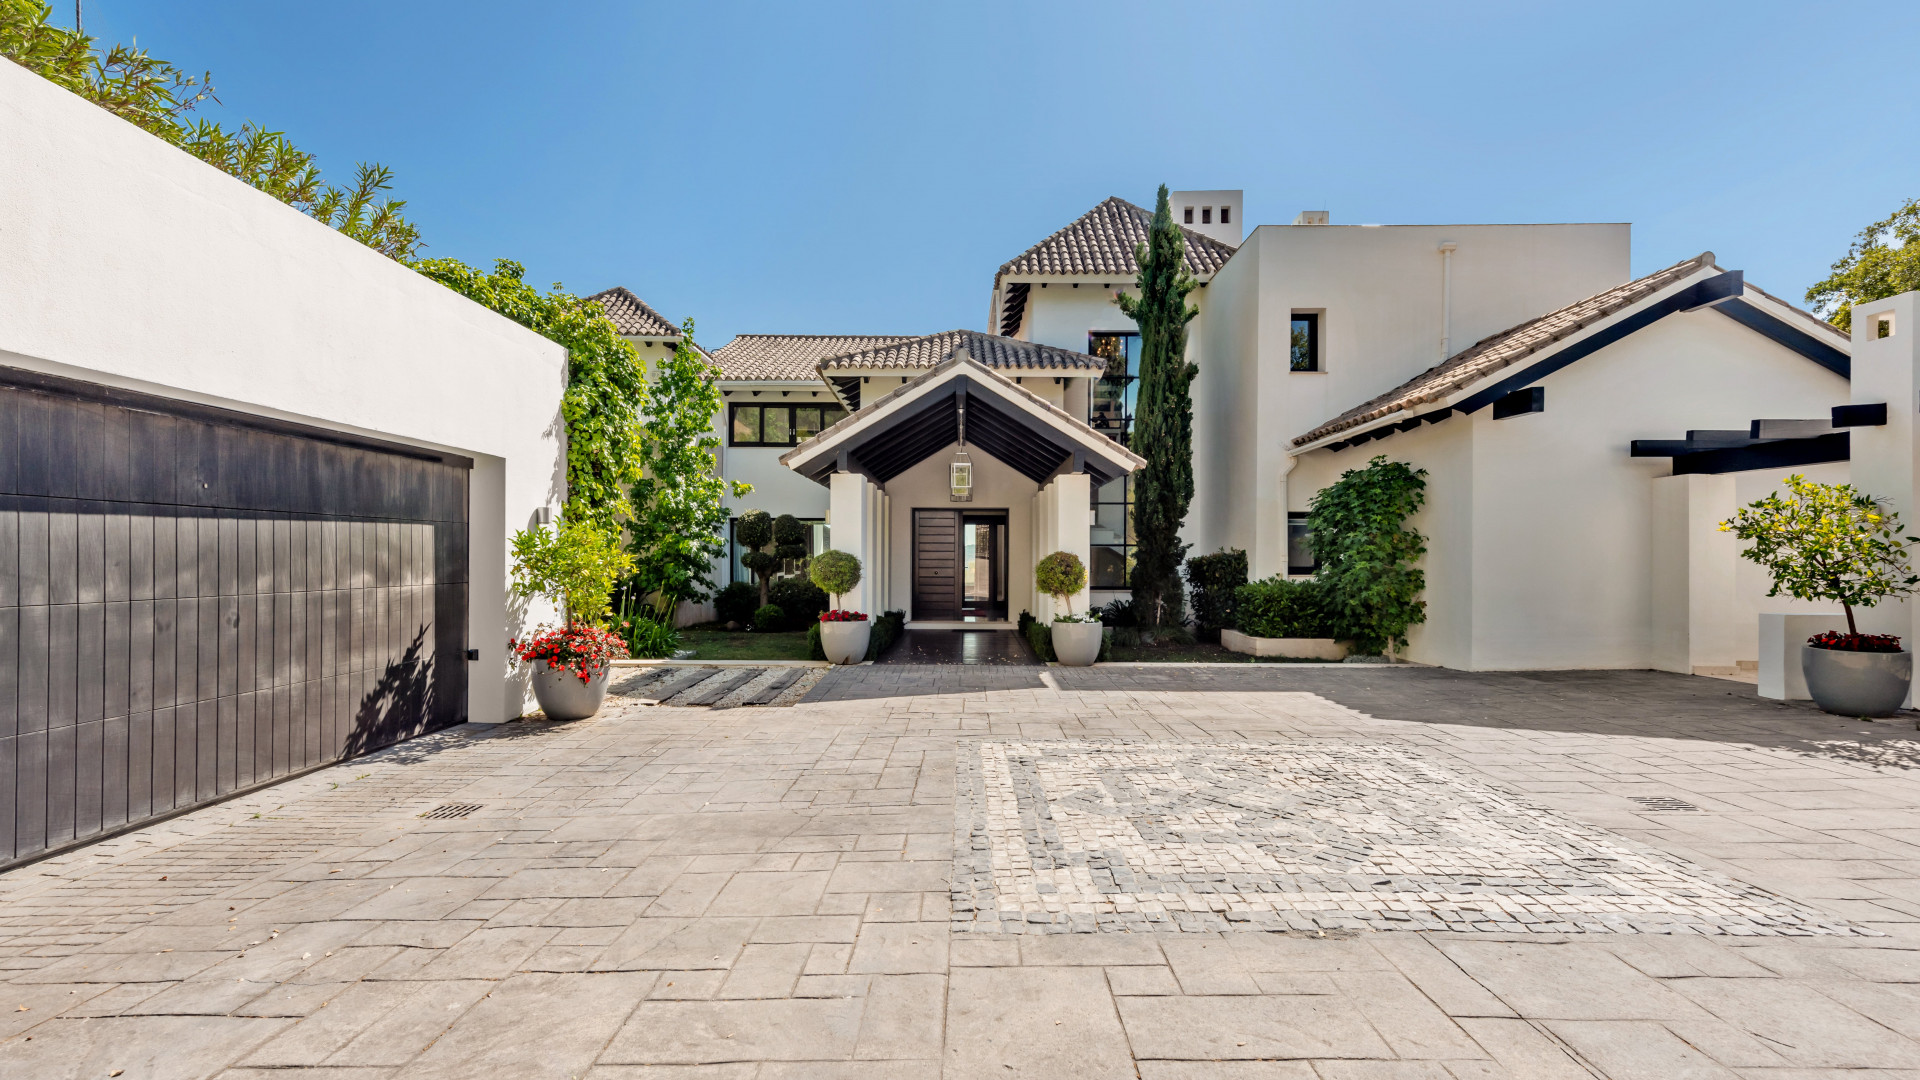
[865,168]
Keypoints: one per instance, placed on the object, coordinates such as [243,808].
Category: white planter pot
[1299,648]
[845,642]
[1077,644]
[562,694]
[1851,683]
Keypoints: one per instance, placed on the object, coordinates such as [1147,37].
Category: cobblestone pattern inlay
[1121,835]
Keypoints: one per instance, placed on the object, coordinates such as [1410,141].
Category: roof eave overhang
[1709,287]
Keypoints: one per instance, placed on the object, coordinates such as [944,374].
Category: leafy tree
[789,539]
[753,530]
[1367,554]
[576,564]
[1163,420]
[606,381]
[1060,575]
[156,95]
[1827,542]
[1883,261]
[677,516]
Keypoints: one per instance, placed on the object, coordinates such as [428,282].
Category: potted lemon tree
[1076,638]
[1831,542]
[576,566]
[843,634]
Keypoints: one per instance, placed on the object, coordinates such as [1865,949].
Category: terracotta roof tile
[791,356]
[632,316]
[1102,241]
[1492,353]
[1002,353]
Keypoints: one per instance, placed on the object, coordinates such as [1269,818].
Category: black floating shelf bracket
[1873,415]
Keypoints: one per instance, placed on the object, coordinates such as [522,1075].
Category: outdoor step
[774,687]
[681,679]
[712,690]
[631,684]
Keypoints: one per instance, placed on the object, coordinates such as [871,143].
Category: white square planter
[1298,648]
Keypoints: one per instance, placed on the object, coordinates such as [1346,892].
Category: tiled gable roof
[1102,241]
[1006,354]
[1508,347]
[631,315]
[790,356]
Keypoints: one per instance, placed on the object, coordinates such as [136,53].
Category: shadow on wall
[401,704]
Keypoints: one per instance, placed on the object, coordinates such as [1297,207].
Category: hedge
[1279,608]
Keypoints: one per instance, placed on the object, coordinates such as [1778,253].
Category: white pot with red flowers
[843,634]
[575,566]
[1831,542]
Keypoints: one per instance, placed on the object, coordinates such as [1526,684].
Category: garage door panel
[192,603]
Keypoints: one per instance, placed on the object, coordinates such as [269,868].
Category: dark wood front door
[936,564]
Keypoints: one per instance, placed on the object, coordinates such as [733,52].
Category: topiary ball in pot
[843,634]
[1076,641]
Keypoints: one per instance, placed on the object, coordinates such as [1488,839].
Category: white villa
[1581,430]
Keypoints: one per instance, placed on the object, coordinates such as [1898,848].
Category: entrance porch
[950,489]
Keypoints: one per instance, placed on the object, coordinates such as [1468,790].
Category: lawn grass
[744,645]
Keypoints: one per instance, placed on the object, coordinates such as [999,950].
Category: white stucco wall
[127,262]
[1541,527]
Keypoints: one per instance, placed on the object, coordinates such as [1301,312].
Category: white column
[1692,578]
[1069,515]
[849,513]
[1883,459]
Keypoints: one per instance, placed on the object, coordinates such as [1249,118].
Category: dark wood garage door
[194,602]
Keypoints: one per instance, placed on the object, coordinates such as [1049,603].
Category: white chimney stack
[1313,217]
[1213,214]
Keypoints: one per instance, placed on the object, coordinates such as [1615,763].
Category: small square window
[1226,215]
[1883,326]
[1206,215]
[1305,344]
[1189,215]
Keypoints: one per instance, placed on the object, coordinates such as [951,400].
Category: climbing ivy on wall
[606,381]
[1367,554]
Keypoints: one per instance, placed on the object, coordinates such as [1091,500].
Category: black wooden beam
[1873,414]
[1785,334]
[1778,454]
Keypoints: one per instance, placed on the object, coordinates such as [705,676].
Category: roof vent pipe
[1447,248]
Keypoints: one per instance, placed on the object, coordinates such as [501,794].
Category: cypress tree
[1163,417]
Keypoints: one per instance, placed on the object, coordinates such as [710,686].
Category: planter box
[1077,644]
[1299,648]
[845,642]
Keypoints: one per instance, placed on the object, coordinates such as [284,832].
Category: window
[816,543]
[781,425]
[1112,547]
[1206,215]
[1189,215]
[1116,392]
[1226,215]
[1300,558]
[1306,341]
[1883,326]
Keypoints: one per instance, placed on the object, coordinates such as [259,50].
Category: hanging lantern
[960,477]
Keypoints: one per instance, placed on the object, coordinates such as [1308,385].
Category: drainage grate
[452,810]
[1662,802]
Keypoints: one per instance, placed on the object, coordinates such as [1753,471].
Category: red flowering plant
[575,565]
[1834,639]
[837,615]
[579,648]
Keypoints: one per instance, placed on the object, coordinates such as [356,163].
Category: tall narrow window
[1112,546]
[1306,341]
[1226,215]
[1189,215]
[1300,558]
[1114,395]
[1206,215]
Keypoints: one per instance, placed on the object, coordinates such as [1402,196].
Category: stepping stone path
[711,686]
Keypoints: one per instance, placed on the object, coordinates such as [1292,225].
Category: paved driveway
[967,872]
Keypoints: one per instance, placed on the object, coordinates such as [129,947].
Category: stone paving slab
[769,893]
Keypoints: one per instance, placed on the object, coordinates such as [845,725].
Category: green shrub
[1039,636]
[1118,613]
[802,600]
[769,617]
[1279,608]
[735,603]
[1061,575]
[1369,560]
[789,539]
[886,630]
[651,640]
[815,651]
[576,565]
[837,572]
[1213,580]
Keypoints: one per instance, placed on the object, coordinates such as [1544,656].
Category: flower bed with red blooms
[581,649]
[1834,639]
[837,615]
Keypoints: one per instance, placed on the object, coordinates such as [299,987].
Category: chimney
[1213,214]
[1312,217]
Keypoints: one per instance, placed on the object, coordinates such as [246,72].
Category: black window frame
[1226,215]
[1126,544]
[1314,358]
[1298,518]
[734,407]
[1189,216]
